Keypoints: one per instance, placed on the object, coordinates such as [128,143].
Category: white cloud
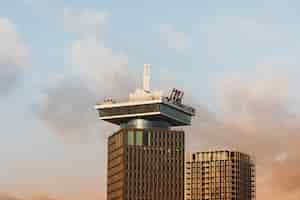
[86,22]
[13,56]
[99,70]
[98,65]
[172,38]
[281,157]
[264,92]
[12,48]
[255,117]
[227,37]
[90,59]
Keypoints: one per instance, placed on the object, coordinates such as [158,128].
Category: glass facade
[175,114]
[219,175]
[139,137]
[147,166]
[130,137]
[115,166]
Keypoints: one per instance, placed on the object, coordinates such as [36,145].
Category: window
[149,138]
[130,138]
[139,137]
[145,138]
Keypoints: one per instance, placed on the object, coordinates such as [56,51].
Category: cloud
[255,117]
[90,59]
[13,56]
[68,107]
[13,197]
[226,36]
[99,65]
[97,72]
[172,38]
[44,197]
[8,197]
[86,22]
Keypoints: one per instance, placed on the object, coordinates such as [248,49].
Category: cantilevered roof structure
[147,105]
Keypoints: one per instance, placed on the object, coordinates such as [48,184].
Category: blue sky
[82,47]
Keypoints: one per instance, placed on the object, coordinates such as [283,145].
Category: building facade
[146,164]
[219,175]
[146,156]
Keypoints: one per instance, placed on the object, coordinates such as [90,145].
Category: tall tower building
[219,175]
[146,156]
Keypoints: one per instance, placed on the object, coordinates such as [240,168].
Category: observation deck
[155,110]
[146,105]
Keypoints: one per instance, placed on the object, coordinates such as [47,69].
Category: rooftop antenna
[146,84]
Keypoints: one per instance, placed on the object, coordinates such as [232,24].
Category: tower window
[139,137]
[130,138]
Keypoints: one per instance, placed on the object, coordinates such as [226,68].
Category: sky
[236,61]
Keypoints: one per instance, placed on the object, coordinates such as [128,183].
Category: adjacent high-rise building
[219,175]
[146,156]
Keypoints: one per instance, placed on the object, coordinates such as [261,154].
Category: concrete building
[146,156]
[219,175]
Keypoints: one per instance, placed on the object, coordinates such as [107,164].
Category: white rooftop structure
[145,93]
[149,105]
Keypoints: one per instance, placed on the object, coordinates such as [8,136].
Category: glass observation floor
[158,110]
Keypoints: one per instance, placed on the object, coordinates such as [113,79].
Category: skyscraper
[219,175]
[146,156]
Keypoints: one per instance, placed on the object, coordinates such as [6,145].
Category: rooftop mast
[146,85]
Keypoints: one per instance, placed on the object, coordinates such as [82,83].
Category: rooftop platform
[147,105]
[161,109]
